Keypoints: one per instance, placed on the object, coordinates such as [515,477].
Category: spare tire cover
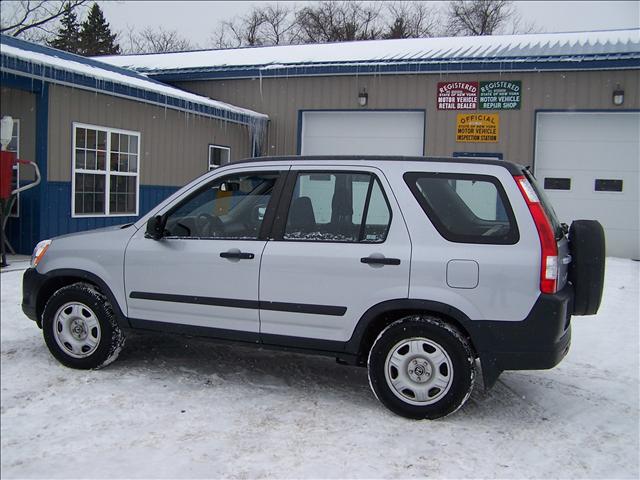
[586,271]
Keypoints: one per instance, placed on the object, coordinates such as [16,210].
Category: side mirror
[155,227]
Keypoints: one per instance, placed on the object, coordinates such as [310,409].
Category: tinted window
[338,207]
[232,207]
[465,208]
[605,185]
[557,183]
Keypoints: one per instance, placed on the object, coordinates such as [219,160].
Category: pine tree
[68,37]
[96,37]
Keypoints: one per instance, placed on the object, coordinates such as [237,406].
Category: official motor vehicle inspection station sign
[477,127]
[500,95]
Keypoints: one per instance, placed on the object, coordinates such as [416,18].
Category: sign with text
[457,95]
[500,95]
[478,127]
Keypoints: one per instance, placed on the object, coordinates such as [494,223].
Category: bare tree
[33,19]
[267,25]
[278,23]
[330,21]
[155,40]
[340,21]
[241,31]
[479,17]
[411,20]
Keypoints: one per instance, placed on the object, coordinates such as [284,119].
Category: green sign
[500,95]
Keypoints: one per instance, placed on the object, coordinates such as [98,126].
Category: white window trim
[16,167]
[106,172]
[220,147]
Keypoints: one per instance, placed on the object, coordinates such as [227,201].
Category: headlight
[39,252]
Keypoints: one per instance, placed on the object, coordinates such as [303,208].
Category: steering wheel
[208,225]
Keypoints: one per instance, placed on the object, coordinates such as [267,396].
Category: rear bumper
[538,342]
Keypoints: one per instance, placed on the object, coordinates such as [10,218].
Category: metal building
[110,143]
[567,104]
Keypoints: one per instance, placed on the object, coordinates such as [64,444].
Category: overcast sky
[197,20]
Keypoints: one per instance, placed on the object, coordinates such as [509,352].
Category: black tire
[430,332]
[84,305]
[586,271]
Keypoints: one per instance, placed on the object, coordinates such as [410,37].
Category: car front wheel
[421,367]
[80,328]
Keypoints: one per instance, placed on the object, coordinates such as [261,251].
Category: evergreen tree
[68,37]
[96,37]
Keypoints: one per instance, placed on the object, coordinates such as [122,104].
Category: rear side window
[338,207]
[465,208]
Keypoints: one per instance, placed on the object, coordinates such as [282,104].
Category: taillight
[549,259]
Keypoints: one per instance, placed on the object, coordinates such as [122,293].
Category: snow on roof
[19,57]
[602,45]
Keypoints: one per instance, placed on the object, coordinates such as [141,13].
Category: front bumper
[32,281]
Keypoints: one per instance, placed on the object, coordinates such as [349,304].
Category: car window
[465,208]
[232,207]
[338,207]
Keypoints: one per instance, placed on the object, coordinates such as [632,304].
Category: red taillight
[549,259]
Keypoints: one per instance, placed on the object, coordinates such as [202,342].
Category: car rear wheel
[421,367]
[80,328]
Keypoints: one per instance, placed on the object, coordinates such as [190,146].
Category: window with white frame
[105,171]
[14,146]
[218,156]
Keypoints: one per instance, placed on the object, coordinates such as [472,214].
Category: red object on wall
[7,161]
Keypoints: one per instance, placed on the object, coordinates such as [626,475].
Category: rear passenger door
[339,246]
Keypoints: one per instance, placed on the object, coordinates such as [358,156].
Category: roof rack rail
[513,168]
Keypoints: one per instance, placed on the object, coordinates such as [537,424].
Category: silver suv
[413,267]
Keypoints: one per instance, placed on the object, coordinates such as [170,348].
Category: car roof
[513,168]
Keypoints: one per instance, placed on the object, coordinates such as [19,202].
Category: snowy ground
[179,407]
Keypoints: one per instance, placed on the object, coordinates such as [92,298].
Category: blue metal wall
[55,215]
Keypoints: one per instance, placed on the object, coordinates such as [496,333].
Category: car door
[339,246]
[203,272]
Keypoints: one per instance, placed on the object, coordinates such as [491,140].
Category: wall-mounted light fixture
[618,96]
[363,97]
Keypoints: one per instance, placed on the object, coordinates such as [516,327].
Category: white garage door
[362,133]
[589,165]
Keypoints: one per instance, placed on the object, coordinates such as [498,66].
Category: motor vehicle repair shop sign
[477,127]
[500,95]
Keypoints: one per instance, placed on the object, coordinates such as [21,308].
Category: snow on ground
[181,407]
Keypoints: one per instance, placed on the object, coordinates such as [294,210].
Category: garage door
[362,133]
[589,164]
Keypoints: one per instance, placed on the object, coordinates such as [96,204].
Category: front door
[339,246]
[204,271]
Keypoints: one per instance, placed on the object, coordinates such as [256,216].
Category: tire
[421,368]
[80,327]
[586,271]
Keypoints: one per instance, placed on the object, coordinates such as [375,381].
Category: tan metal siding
[22,105]
[174,145]
[281,99]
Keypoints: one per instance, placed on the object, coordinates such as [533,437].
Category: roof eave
[550,63]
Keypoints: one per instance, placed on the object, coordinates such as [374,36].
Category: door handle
[237,255]
[380,261]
